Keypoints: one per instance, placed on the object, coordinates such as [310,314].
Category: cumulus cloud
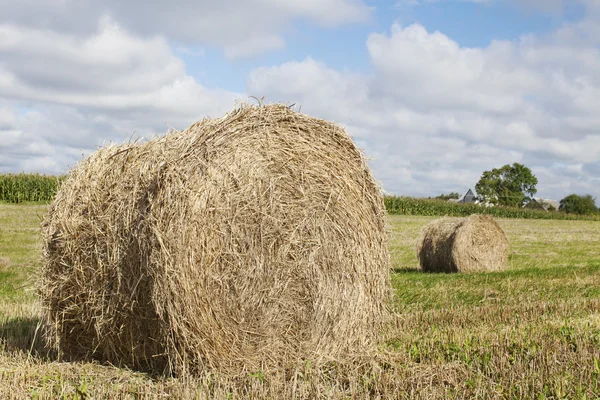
[61,95]
[431,114]
[421,2]
[241,27]
[434,115]
[549,6]
[434,68]
[111,69]
[546,6]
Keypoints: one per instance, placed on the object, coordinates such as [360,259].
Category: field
[19,188]
[530,332]
[434,207]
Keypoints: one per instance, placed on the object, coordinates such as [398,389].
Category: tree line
[515,185]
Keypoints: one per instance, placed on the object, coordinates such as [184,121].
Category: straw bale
[236,244]
[471,244]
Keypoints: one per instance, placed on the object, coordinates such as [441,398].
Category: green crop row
[18,188]
[438,208]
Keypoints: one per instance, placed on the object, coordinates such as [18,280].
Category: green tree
[575,204]
[451,195]
[510,185]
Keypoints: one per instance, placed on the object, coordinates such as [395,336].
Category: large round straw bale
[472,244]
[238,243]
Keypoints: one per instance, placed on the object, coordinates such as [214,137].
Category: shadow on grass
[26,335]
[406,270]
[532,272]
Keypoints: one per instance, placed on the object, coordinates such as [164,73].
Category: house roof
[468,192]
[553,203]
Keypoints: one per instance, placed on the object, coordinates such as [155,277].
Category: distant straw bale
[239,243]
[472,244]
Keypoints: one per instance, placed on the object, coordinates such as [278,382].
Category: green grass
[532,331]
[549,260]
[19,249]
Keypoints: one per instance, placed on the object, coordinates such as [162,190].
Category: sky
[433,91]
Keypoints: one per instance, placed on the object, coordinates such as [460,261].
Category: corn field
[19,188]
[432,207]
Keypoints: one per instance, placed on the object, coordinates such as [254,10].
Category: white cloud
[546,6]
[551,6]
[110,70]
[431,114]
[231,24]
[309,79]
[73,70]
[7,119]
[434,115]
[413,3]
[431,68]
[254,45]
[61,95]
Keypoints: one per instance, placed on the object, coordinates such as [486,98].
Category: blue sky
[434,91]
[470,24]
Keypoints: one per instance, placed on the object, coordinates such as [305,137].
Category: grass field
[530,332]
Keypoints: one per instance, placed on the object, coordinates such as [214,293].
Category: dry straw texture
[471,244]
[237,244]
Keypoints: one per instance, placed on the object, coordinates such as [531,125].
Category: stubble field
[530,332]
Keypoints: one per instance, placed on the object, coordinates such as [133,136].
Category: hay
[236,244]
[472,244]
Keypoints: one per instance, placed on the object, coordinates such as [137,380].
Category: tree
[452,195]
[510,185]
[575,204]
